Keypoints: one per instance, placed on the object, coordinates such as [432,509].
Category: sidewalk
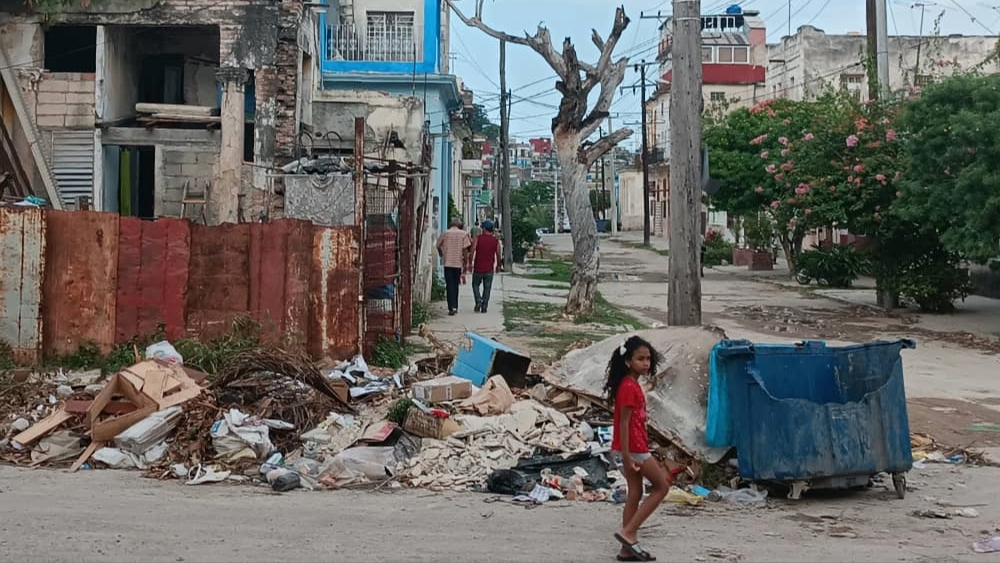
[453,329]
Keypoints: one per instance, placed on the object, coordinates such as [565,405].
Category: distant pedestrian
[454,246]
[486,260]
[635,358]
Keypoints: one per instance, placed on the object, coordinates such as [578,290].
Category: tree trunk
[586,262]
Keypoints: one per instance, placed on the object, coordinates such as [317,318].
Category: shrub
[438,289]
[717,249]
[389,353]
[420,314]
[837,266]
[758,231]
[934,282]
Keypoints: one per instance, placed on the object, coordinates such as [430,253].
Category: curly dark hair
[617,369]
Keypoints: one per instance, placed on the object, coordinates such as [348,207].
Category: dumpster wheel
[899,483]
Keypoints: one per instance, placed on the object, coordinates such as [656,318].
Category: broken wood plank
[177,109]
[119,386]
[181,118]
[94,445]
[42,427]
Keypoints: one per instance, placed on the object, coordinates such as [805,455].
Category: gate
[382,263]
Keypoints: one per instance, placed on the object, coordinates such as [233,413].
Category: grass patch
[421,314]
[559,270]
[640,246]
[517,313]
[562,287]
[605,313]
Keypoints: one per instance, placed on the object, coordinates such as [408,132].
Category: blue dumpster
[811,415]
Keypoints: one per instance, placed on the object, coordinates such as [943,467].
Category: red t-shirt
[486,253]
[630,395]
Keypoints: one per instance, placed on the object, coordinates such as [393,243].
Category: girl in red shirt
[634,358]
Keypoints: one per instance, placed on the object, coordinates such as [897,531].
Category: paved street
[118,516]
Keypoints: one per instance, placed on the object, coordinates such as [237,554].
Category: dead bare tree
[571,129]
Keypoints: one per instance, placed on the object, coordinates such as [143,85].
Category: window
[717,96]
[71,48]
[852,79]
[733,54]
[706,55]
[391,36]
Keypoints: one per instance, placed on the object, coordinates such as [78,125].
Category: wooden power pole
[684,293]
[505,217]
[645,155]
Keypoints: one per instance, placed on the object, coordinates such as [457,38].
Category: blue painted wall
[431,48]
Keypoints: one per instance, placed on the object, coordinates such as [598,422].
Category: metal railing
[344,42]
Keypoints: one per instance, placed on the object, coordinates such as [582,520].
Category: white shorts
[639,458]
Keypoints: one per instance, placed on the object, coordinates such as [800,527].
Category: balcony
[396,43]
[383,42]
[656,155]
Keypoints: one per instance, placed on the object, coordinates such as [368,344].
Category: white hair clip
[622,350]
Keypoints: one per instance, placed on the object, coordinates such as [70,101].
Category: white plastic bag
[164,351]
[237,432]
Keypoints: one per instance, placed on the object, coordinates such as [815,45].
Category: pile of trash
[450,422]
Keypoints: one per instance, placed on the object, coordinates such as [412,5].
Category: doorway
[130,180]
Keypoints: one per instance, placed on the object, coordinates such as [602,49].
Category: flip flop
[621,557]
[639,553]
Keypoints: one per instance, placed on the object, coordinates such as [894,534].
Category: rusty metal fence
[67,278]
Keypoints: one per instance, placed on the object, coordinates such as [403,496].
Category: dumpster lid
[676,399]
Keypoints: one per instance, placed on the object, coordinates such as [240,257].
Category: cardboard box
[442,389]
[426,425]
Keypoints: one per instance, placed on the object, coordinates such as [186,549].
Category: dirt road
[114,516]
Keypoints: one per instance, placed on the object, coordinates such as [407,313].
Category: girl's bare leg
[654,472]
[635,490]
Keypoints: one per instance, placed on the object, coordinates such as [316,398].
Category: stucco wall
[814,60]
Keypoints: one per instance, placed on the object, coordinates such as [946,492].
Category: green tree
[532,202]
[480,124]
[952,147]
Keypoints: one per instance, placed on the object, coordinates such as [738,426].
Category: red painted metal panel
[280,255]
[22,263]
[81,271]
[334,312]
[729,74]
[218,278]
[152,277]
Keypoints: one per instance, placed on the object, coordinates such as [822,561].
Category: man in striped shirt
[454,247]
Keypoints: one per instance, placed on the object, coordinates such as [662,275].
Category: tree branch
[540,42]
[613,76]
[590,152]
[607,48]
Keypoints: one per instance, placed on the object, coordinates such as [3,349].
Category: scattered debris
[987,545]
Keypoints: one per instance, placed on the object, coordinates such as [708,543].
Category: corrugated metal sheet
[218,278]
[153,261]
[73,164]
[22,263]
[280,255]
[81,271]
[335,300]
[800,412]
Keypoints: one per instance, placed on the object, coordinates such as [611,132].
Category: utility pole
[555,203]
[920,41]
[505,218]
[882,45]
[684,292]
[604,182]
[878,49]
[614,178]
[641,67]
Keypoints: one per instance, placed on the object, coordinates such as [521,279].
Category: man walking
[455,247]
[486,259]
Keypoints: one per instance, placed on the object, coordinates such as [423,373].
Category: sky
[475,56]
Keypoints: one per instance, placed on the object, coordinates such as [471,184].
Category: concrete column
[223,198]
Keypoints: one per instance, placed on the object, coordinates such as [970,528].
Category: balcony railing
[382,43]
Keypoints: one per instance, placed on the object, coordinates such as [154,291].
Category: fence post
[359,220]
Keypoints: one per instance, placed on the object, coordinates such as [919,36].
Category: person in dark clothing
[486,259]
